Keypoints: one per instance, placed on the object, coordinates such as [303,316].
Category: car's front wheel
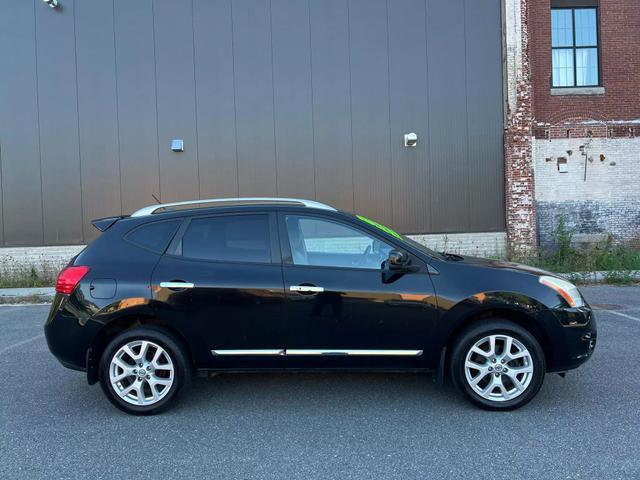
[142,370]
[498,365]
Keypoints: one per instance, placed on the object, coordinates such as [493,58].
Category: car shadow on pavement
[319,392]
[336,394]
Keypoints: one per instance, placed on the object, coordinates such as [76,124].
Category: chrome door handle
[306,289]
[176,285]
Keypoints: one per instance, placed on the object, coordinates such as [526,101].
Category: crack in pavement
[19,344]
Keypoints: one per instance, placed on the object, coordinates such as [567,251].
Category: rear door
[340,304]
[220,282]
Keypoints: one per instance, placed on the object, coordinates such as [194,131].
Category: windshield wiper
[451,256]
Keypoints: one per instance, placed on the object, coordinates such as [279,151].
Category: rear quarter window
[154,236]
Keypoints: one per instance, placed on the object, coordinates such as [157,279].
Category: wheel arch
[124,322]
[474,314]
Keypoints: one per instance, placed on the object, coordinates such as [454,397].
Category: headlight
[566,290]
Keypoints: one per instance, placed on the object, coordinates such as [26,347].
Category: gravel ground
[53,425]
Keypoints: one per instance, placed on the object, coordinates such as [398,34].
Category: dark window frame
[175,247]
[127,236]
[285,246]
[586,5]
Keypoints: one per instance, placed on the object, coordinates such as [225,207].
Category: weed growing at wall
[617,261]
[28,276]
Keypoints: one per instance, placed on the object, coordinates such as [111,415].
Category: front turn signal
[567,290]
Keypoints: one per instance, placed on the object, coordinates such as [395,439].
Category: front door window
[324,243]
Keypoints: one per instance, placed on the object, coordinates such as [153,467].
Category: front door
[220,283]
[338,302]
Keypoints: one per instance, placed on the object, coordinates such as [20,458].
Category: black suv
[237,285]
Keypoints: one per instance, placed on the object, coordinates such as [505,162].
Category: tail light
[69,278]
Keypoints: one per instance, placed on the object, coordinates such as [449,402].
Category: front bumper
[576,338]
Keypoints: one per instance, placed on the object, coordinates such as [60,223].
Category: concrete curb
[13,296]
[602,276]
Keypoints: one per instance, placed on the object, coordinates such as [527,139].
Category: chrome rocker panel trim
[312,351]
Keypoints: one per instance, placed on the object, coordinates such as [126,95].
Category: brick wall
[48,261]
[519,177]
[19,262]
[605,201]
[607,122]
[619,58]
[484,244]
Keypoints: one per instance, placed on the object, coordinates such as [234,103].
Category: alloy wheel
[141,372]
[498,367]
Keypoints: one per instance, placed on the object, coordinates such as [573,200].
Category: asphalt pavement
[306,426]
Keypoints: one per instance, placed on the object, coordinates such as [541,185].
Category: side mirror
[397,260]
[396,265]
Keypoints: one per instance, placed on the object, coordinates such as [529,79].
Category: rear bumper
[575,340]
[67,339]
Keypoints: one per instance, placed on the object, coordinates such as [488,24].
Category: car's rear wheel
[143,369]
[498,365]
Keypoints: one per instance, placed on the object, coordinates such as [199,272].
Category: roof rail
[151,209]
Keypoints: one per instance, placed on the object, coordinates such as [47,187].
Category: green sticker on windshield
[380,226]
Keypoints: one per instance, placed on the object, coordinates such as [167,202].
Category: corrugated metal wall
[306,98]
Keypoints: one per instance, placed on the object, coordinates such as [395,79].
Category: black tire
[182,368]
[475,333]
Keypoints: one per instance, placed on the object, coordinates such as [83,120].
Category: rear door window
[228,238]
[154,236]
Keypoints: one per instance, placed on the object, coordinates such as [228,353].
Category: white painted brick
[485,244]
[619,182]
[513,49]
[52,259]
[607,202]
[45,260]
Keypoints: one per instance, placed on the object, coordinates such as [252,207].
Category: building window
[574,44]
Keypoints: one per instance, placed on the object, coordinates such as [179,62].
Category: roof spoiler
[103,224]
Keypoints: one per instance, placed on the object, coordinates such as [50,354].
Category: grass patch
[617,261]
[28,277]
[619,277]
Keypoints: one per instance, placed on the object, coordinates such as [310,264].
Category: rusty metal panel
[370,108]
[283,97]
[329,22]
[292,98]
[484,116]
[137,115]
[448,149]
[176,99]
[253,69]
[215,98]
[59,129]
[97,108]
[411,181]
[19,135]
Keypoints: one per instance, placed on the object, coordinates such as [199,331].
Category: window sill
[578,91]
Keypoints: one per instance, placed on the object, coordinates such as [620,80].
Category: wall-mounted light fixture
[51,3]
[177,145]
[410,139]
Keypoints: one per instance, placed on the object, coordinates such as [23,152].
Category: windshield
[393,233]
